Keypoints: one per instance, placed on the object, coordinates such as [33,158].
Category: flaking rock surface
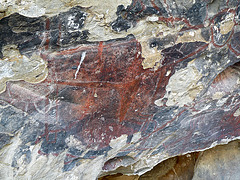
[89,89]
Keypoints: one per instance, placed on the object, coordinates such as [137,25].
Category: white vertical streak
[78,68]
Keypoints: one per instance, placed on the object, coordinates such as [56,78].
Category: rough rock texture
[221,162]
[115,87]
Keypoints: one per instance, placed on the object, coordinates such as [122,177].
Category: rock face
[221,162]
[103,88]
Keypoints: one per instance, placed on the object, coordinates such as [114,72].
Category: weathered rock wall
[91,88]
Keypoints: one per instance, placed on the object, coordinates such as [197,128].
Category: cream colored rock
[227,24]
[183,86]
[36,8]
[191,36]
[15,67]
[237,113]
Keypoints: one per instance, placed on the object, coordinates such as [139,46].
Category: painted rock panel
[131,101]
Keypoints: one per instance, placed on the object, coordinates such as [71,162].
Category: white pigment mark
[78,68]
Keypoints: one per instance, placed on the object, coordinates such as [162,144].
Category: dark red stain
[125,91]
[47,40]
[112,71]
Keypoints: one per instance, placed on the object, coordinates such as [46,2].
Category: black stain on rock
[128,17]
[197,13]
[30,34]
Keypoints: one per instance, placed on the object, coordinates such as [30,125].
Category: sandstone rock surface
[96,88]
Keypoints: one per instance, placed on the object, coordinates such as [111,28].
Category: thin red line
[219,46]
[233,50]
[155,6]
[193,53]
